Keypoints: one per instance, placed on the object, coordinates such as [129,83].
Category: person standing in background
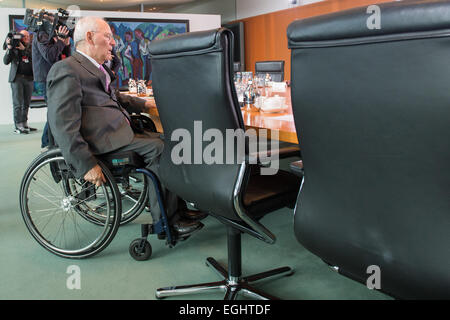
[46,51]
[21,79]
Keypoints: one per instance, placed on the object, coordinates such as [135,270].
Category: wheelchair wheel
[140,250]
[134,196]
[67,216]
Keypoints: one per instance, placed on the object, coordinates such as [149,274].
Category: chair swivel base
[232,286]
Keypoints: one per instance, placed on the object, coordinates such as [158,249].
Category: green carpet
[28,271]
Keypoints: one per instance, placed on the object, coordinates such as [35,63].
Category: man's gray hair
[84,25]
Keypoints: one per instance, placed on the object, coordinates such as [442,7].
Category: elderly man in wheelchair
[72,196]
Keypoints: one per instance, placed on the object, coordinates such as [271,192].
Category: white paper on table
[278,86]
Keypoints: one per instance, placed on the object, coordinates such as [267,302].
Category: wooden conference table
[254,119]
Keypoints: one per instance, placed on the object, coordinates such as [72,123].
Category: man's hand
[95,176]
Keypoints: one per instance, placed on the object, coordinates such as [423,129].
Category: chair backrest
[274,68]
[194,92]
[371,109]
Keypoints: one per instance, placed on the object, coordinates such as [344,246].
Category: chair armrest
[264,156]
[261,158]
[289,151]
[297,168]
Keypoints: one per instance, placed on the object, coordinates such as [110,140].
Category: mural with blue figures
[132,40]
[18,24]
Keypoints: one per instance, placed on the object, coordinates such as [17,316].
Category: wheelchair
[73,218]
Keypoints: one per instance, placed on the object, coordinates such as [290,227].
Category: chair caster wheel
[140,249]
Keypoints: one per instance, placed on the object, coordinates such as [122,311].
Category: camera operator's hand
[8,43]
[20,46]
[62,30]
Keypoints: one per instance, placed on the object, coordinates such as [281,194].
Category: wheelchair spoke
[45,210]
[49,220]
[84,201]
[47,215]
[46,188]
[130,198]
[46,184]
[77,227]
[93,209]
[45,198]
[61,227]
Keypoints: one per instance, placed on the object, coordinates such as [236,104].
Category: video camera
[48,22]
[15,37]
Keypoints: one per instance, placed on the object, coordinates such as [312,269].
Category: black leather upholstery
[193,86]
[371,108]
[196,69]
[188,86]
[397,19]
[274,68]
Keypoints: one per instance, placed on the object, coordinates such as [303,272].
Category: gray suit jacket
[84,119]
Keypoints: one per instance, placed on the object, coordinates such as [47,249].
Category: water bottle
[249,94]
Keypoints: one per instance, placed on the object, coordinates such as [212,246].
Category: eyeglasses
[107,35]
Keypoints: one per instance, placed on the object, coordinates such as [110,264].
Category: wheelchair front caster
[140,249]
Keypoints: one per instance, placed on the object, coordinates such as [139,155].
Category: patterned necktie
[108,79]
[107,83]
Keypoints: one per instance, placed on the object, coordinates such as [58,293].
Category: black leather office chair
[193,85]
[274,68]
[372,110]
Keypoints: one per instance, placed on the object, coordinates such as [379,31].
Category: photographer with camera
[19,55]
[46,51]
